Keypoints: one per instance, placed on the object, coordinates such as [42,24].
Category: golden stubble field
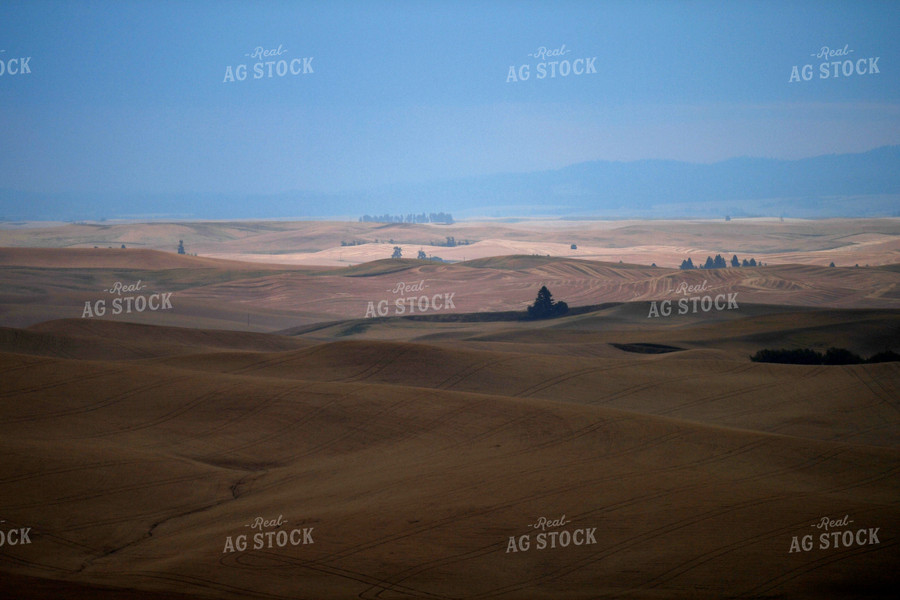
[847,242]
[397,458]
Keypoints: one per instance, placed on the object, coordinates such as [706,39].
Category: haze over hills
[864,184]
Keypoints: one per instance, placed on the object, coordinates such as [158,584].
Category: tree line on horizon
[719,262]
[441,217]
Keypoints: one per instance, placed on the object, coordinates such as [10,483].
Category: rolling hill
[415,452]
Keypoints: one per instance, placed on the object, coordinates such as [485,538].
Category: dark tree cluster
[718,262]
[545,307]
[832,356]
[451,242]
[441,217]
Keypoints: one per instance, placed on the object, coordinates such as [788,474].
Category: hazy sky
[132,96]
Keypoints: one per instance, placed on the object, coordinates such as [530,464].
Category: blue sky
[129,97]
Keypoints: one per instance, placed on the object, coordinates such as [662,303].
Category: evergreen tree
[544,307]
[735,262]
[398,252]
[180,246]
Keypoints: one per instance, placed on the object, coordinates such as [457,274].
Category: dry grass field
[395,457]
[847,242]
[49,284]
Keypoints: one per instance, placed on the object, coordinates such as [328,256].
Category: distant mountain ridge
[864,184]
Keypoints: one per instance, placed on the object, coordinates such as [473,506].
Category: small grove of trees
[398,252]
[832,356]
[545,307]
[441,217]
[715,263]
[451,242]
[422,255]
[718,262]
